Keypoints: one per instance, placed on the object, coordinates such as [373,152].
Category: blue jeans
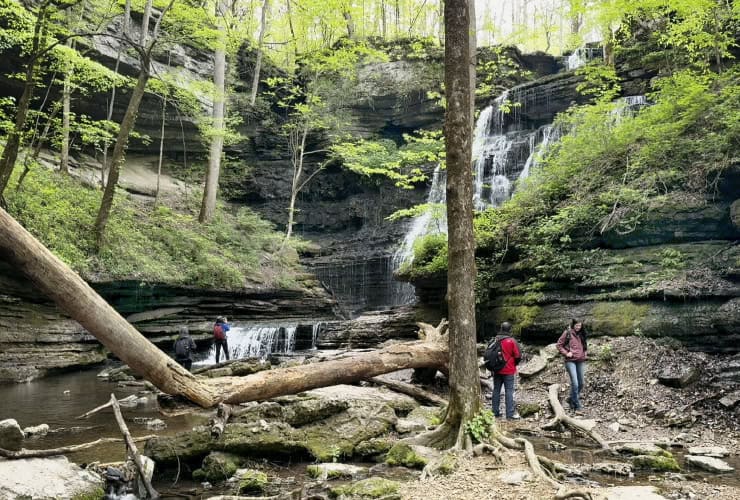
[508,382]
[575,370]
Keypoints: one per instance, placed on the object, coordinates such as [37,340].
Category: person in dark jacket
[220,328]
[184,347]
[507,375]
[573,346]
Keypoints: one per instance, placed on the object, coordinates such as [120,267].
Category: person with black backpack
[184,347]
[501,357]
[573,345]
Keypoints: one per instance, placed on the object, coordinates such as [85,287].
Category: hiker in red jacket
[219,337]
[506,375]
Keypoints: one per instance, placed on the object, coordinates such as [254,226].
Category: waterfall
[581,56]
[255,342]
[315,330]
[539,142]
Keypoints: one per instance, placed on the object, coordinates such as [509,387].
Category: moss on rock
[527,409]
[373,447]
[374,487]
[253,481]
[656,462]
[618,318]
[96,493]
[217,466]
[403,454]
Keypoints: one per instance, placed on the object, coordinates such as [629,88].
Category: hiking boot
[516,416]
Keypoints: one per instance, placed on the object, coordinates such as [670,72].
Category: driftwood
[410,390]
[106,405]
[218,422]
[132,447]
[63,450]
[584,426]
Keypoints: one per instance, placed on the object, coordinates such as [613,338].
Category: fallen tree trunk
[281,381]
[75,297]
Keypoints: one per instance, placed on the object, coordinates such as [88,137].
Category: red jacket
[512,355]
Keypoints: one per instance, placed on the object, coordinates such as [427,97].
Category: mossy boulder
[218,466]
[186,446]
[527,409]
[253,481]
[419,419]
[656,463]
[374,487]
[374,447]
[405,455]
[338,435]
[335,471]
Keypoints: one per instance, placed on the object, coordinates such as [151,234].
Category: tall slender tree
[144,48]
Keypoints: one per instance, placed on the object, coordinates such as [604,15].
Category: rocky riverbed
[666,401]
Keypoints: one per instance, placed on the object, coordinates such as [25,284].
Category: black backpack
[493,357]
[182,348]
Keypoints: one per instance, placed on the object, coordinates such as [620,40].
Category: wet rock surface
[47,479]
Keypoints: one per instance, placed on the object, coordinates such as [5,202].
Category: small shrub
[479,427]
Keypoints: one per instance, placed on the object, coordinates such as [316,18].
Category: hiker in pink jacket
[572,345]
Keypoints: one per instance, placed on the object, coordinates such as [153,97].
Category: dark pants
[222,344]
[508,382]
[185,363]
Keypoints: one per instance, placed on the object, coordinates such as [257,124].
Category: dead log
[218,422]
[63,450]
[132,448]
[583,426]
[410,390]
[75,297]
[104,406]
[295,379]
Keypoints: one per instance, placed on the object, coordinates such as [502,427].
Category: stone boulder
[326,424]
[532,367]
[36,430]
[679,376]
[633,492]
[335,471]
[11,435]
[48,479]
[418,420]
[730,400]
[709,464]
[709,451]
[373,487]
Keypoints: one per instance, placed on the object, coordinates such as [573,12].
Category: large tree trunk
[208,207]
[116,160]
[70,292]
[13,142]
[464,384]
[258,62]
[272,383]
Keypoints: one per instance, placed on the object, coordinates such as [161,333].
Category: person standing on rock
[573,346]
[506,376]
[184,347]
[219,337]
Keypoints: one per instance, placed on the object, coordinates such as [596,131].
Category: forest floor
[629,403]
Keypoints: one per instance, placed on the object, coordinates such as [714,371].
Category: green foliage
[600,81]
[479,427]
[430,256]
[382,158]
[159,245]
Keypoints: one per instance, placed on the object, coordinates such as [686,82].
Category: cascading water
[581,56]
[256,342]
[503,153]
